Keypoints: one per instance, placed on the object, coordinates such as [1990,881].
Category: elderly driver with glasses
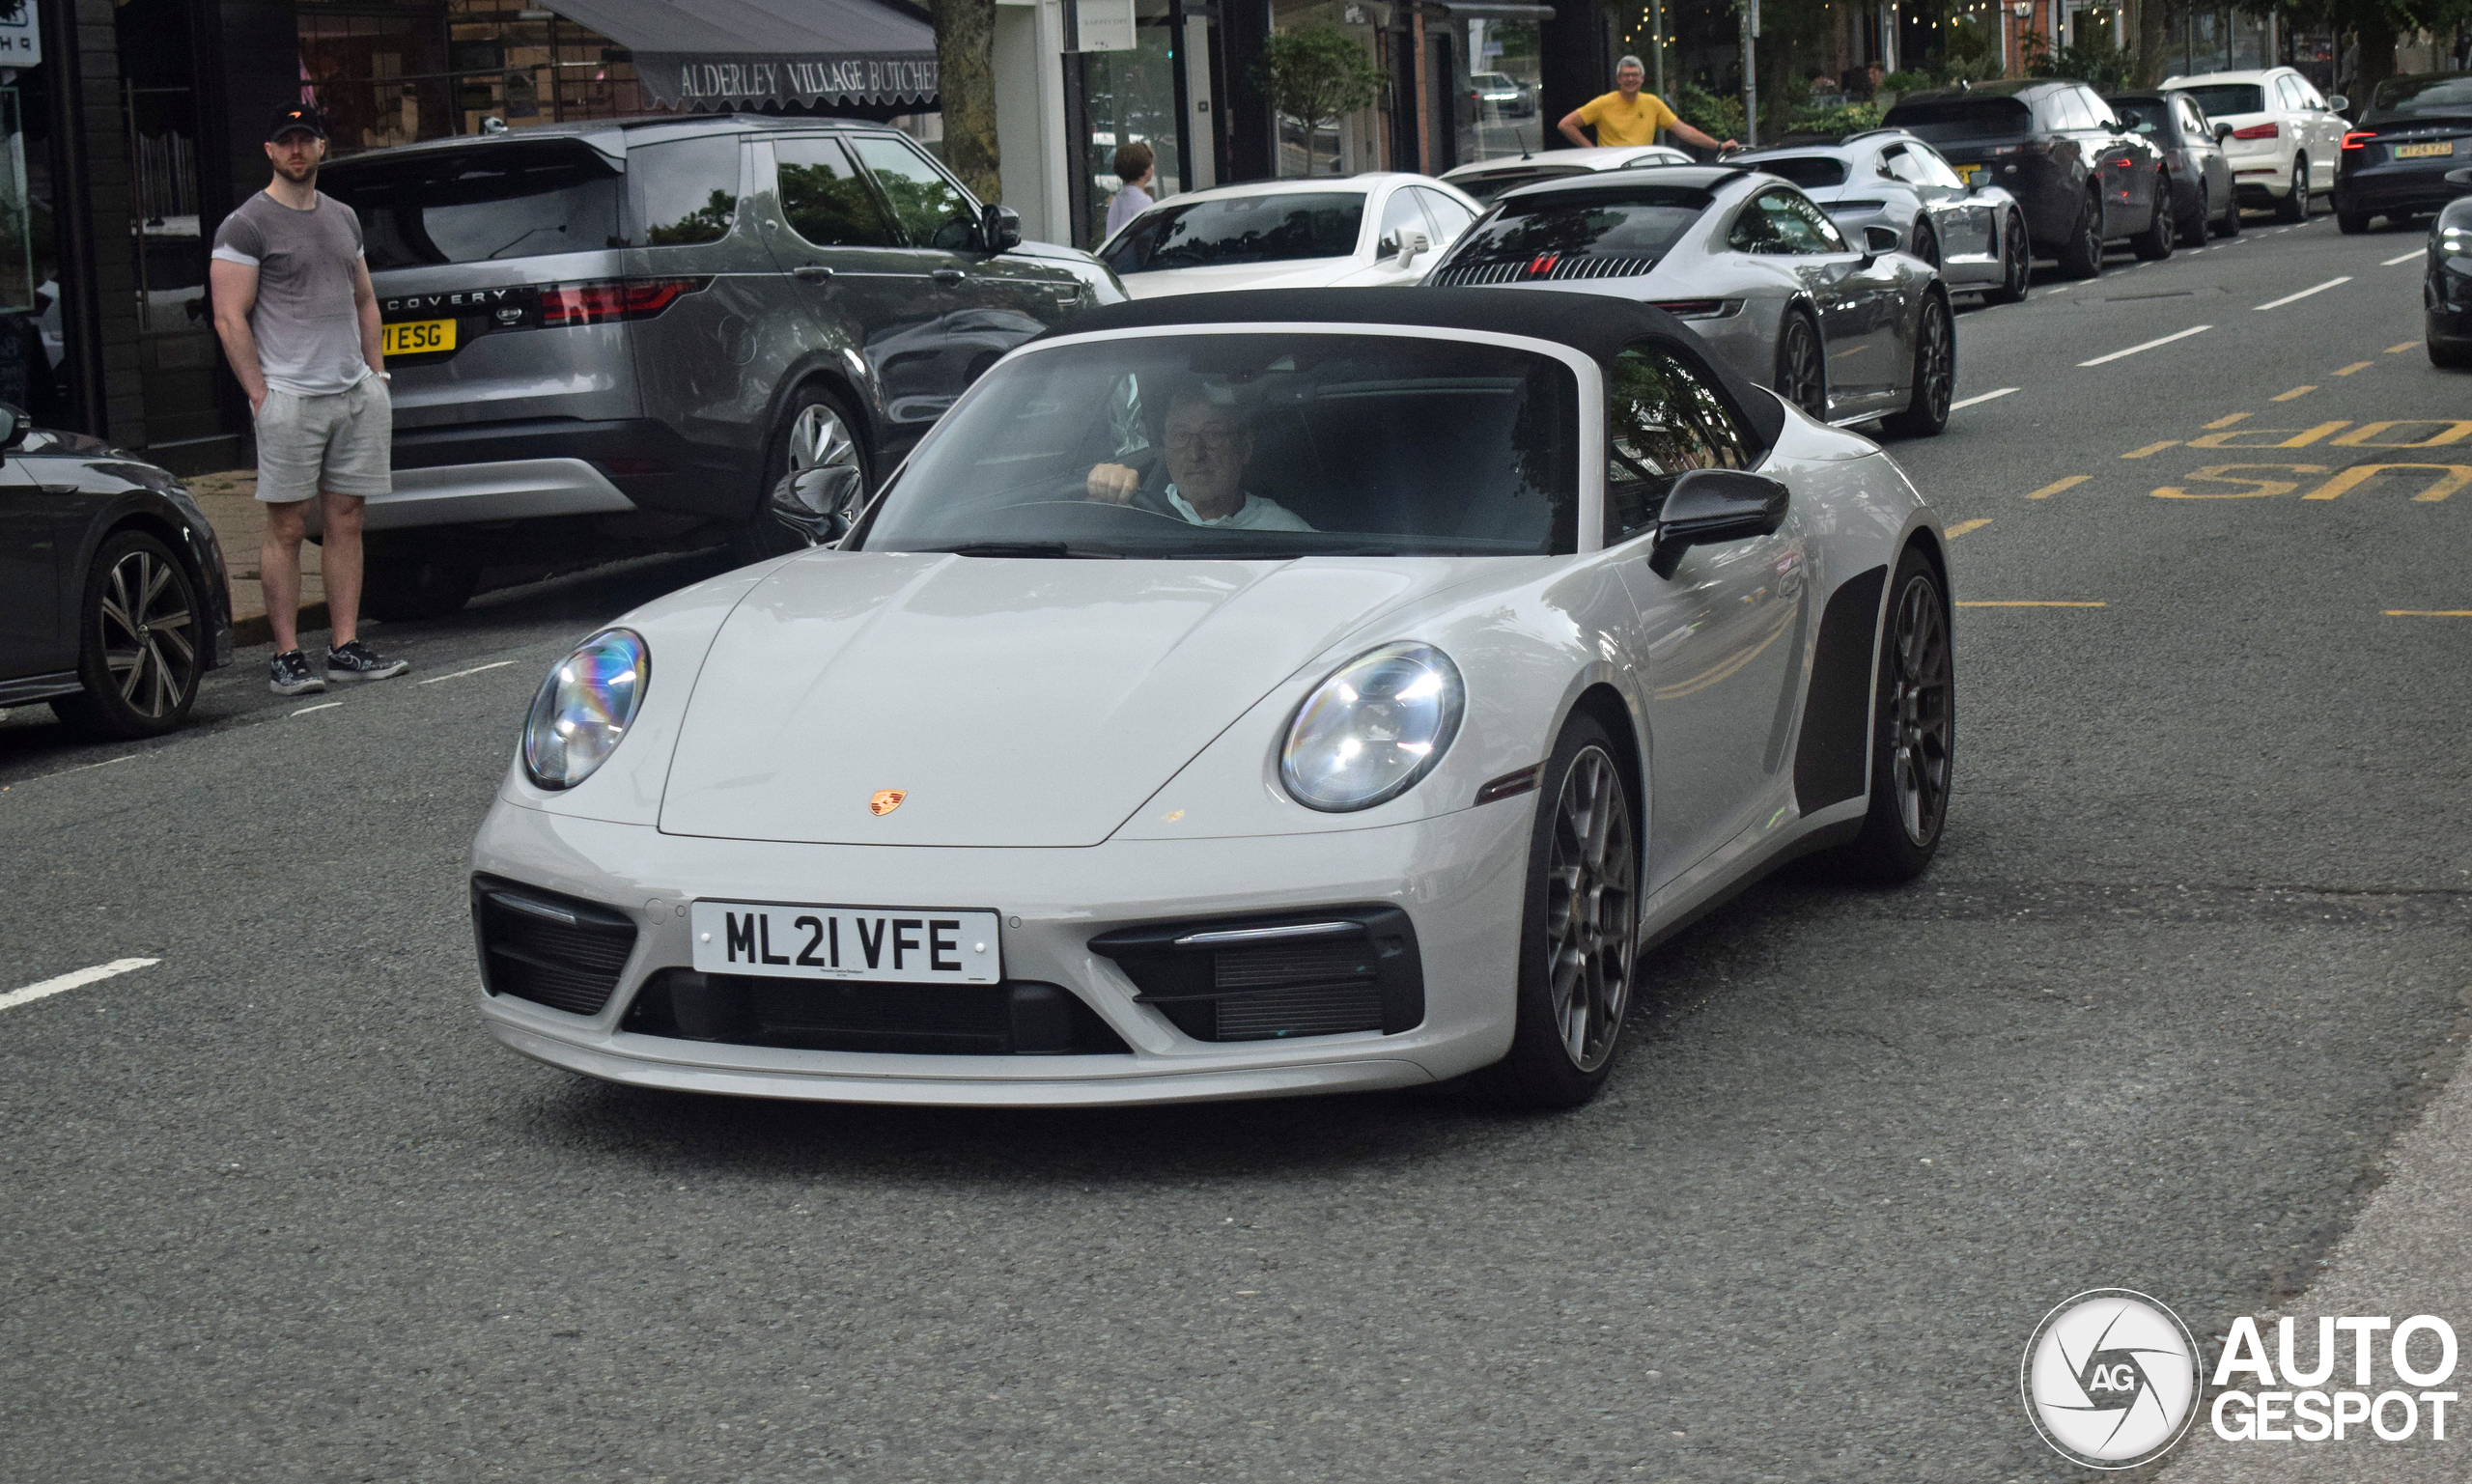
[1209,441]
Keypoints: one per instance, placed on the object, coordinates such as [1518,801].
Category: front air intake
[1322,973]
[549,949]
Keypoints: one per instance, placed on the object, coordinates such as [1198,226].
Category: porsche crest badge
[887,800]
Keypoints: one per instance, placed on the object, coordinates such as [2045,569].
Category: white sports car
[1369,230]
[1233,696]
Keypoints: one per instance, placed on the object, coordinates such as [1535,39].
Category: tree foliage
[1318,75]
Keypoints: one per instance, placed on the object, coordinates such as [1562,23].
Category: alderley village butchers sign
[703,82]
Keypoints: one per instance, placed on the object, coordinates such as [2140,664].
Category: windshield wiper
[1029,548]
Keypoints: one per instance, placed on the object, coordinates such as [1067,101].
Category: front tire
[1926,242]
[2446,354]
[1578,932]
[1913,733]
[2230,226]
[1802,365]
[2082,255]
[2016,263]
[2350,223]
[140,627]
[2154,243]
[2202,220]
[1935,373]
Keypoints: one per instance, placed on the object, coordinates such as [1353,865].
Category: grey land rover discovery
[619,338]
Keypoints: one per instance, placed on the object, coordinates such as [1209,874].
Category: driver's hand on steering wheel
[1114,482]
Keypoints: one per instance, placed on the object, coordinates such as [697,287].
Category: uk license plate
[417,337]
[1974,174]
[2424,151]
[902,944]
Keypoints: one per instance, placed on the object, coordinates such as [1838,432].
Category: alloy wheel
[1919,712]
[147,634]
[2017,261]
[1936,360]
[818,439]
[1802,376]
[1591,909]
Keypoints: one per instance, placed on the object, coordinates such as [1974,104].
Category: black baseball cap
[296,116]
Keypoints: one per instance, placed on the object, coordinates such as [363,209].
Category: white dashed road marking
[2194,329]
[459,674]
[34,991]
[323,706]
[2413,256]
[2305,293]
[1986,397]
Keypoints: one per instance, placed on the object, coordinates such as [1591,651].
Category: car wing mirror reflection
[2461,178]
[1710,506]
[1879,240]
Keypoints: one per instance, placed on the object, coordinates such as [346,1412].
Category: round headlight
[584,708]
[1370,731]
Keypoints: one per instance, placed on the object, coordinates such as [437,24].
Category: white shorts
[343,442]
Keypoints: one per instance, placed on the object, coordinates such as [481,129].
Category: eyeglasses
[1225,441]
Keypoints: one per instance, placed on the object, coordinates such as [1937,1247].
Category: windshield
[2147,111]
[1240,229]
[1637,223]
[1807,171]
[510,200]
[1248,445]
[1489,186]
[2215,99]
[1961,118]
[2451,93]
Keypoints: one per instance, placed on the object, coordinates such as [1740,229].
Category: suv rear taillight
[628,298]
[2359,138]
[2269,129]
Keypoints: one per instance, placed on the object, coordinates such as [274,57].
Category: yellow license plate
[418,337]
[2424,151]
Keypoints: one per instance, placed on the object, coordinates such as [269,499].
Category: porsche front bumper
[1460,877]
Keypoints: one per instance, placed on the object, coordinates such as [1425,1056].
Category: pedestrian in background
[299,320]
[1135,164]
[1629,117]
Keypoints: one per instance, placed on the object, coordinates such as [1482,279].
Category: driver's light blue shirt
[1254,515]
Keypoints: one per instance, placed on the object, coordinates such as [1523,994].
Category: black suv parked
[2083,178]
[615,338]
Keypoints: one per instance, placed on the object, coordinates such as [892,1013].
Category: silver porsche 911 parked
[1972,231]
[1243,694]
[1847,331]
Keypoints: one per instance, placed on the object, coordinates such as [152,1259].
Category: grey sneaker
[290,675]
[358,661]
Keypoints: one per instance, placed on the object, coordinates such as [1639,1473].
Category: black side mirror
[2222,132]
[1709,506]
[1879,240]
[1000,227]
[817,503]
[2461,178]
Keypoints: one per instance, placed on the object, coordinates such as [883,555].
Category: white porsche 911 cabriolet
[1235,695]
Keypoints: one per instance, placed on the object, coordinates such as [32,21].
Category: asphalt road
[275,1208]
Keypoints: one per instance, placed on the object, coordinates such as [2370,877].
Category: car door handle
[948,277]
[811,274]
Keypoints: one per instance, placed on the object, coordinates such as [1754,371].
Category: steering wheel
[1151,497]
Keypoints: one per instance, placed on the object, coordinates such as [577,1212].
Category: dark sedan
[2203,190]
[2445,290]
[2397,162]
[2083,178]
[114,601]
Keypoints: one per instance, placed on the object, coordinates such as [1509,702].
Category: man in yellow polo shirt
[1629,117]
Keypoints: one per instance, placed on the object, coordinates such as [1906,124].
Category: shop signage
[698,80]
[1107,25]
[20,34]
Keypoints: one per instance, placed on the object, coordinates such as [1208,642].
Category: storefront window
[1355,143]
[29,291]
[1133,100]
[1499,113]
[386,79]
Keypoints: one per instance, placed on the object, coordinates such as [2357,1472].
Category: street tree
[966,90]
[1318,75]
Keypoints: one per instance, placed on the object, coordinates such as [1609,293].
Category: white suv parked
[2279,124]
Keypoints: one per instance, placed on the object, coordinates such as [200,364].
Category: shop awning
[746,53]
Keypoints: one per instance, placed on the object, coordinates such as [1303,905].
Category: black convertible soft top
[1595,325]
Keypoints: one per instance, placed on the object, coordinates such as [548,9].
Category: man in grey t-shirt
[299,320]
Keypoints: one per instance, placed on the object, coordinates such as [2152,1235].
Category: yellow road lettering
[2058,485]
[2151,449]
[2451,477]
[2295,437]
[2225,422]
[1963,526]
[2449,430]
[2230,474]
[2297,391]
